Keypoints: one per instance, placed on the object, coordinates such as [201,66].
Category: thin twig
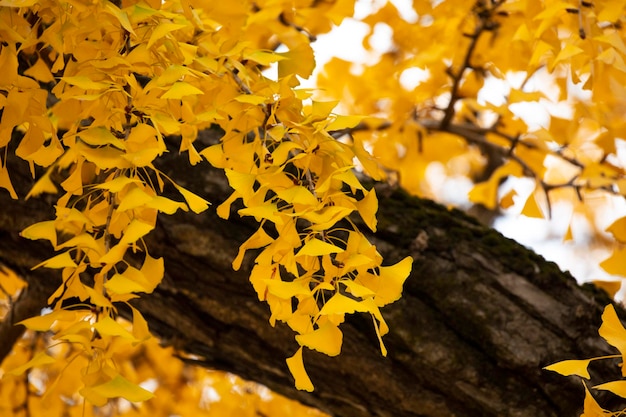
[7,295]
[336,134]
[456,78]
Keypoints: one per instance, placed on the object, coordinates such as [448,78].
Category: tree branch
[479,317]
[483,14]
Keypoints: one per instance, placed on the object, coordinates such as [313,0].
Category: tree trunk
[479,317]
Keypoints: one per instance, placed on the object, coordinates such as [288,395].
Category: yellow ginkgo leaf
[121,16]
[368,162]
[89,395]
[134,198]
[166,123]
[320,110]
[340,304]
[153,269]
[326,339]
[62,260]
[214,154]
[171,74]
[241,182]
[132,275]
[5,182]
[616,387]
[196,203]
[285,149]
[258,239]
[298,195]
[286,290]
[181,89]
[44,323]
[259,276]
[344,122]
[140,326]
[40,72]
[104,157]
[296,367]
[508,199]
[18,3]
[325,218]
[299,60]
[316,247]
[571,367]
[223,210]
[356,289]
[143,157]
[40,359]
[613,331]
[267,211]
[484,193]
[162,30]
[263,57]
[165,205]
[85,82]
[100,136]
[74,183]
[618,229]
[117,184]
[565,54]
[109,327]
[11,282]
[392,280]
[568,234]
[359,260]
[367,207]
[135,230]
[611,287]
[612,11]
[43,185]
[251,99]
[122,284]
[83,241]
[616,263]
[114,255]
[41,230]
[591,406]
[531,208]
[121,387]
[97,298]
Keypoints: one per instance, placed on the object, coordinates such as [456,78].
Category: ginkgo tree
[96,94]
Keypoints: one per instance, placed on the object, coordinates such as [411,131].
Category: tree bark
[479,317]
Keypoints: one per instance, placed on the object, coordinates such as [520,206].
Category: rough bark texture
[479,317]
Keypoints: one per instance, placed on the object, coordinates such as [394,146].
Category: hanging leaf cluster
[614,333]
[96,92]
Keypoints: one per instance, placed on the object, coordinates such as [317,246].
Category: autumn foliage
[94,92]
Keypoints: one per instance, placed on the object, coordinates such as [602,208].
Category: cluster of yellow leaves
[464,49]
[96,92]
[613,331]
[38,381]
[293,180]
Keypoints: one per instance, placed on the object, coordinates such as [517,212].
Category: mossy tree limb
[479,317]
